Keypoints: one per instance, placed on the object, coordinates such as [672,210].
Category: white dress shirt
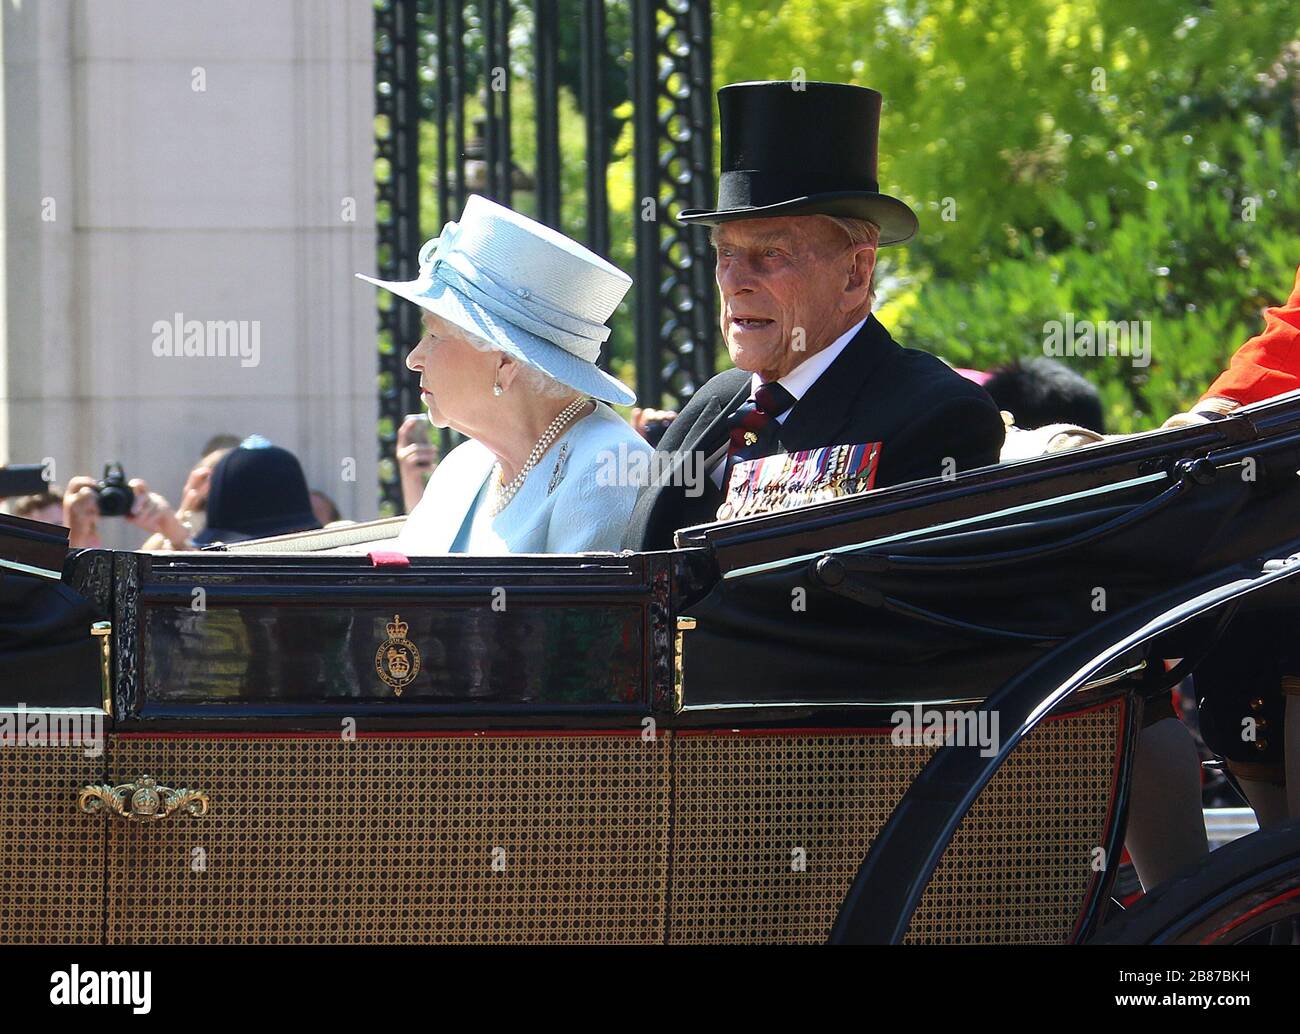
[797,382]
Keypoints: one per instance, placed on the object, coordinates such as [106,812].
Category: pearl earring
[496,390]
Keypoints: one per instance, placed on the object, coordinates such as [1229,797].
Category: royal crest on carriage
[397,661]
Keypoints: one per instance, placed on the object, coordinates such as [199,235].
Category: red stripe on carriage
[1271,902]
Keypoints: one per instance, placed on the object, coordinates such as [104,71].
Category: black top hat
[794,148]
[256,490]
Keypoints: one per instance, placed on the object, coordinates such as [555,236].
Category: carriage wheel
[1240,891]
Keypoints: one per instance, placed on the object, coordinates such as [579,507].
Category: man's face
[786,285]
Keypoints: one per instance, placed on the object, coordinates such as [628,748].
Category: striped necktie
[754,427]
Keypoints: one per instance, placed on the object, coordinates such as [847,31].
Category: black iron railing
[399,109]
[452,67]
[673,95]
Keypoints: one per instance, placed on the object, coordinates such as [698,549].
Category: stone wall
[212,160]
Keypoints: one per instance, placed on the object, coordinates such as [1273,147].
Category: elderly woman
[514,319]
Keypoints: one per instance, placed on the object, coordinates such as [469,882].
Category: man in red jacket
[1266,365]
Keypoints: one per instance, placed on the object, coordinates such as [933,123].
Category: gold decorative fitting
[1257,704]
[684,625]
[397,661]
[142,801]
[104,629]
[1261,744]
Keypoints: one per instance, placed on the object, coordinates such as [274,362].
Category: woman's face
[455,377]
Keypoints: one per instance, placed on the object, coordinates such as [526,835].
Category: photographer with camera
[87,500]
[417,457]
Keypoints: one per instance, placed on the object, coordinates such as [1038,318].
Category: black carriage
[309,739]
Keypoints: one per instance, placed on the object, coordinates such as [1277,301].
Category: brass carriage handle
[141,801]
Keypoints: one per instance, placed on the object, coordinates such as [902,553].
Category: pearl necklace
[502,494]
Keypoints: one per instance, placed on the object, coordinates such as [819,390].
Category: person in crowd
[221,443]
[1266,365]
[1254,675]
[515,315]
[44,506]
[417,457]
[796,227]
[256,491]
[325,509]
[1040,391]
[192,513]
[259,497]
[150,512]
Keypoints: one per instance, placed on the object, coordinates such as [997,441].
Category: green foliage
[1098,157]
[1113,159]
[1185,260]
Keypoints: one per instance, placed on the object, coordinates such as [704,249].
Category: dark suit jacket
[875,391]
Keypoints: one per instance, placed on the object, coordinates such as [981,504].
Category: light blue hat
[526,288]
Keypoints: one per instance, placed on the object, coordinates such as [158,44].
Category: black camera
[113,495]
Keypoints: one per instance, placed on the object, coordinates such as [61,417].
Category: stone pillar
[170,161]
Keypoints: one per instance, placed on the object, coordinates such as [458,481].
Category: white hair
[860,231]
[534,380]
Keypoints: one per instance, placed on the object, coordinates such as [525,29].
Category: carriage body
[697,745]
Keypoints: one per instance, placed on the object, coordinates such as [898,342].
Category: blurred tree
[1118,159]
[1113,159]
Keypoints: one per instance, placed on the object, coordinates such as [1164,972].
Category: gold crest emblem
[397,661]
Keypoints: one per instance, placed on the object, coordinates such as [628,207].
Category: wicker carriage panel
[750,810]
[1018,870]
[51,855]
[391,839]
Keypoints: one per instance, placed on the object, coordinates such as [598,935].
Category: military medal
[786,480]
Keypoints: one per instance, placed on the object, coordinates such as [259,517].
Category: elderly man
[798,221]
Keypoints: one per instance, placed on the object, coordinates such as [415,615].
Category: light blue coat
[578,499]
